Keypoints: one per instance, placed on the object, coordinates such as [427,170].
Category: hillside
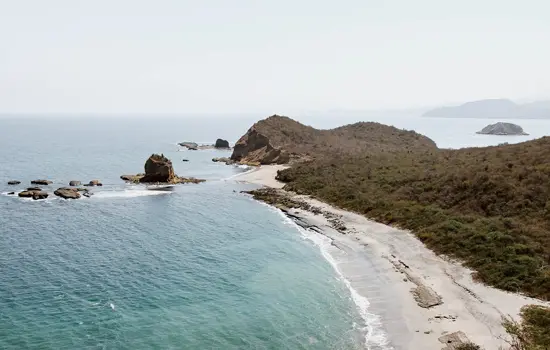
[280,139]
[489,207]
[493,109]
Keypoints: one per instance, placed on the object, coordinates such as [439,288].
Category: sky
[276,56]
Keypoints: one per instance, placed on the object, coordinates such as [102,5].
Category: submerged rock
[11,193]
[67,193]
[34,189]
[41,182]
[14,182]
[502,129]
[185,160]
[220,143]
[75,183]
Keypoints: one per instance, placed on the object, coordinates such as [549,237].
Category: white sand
[263,175]
[367,256]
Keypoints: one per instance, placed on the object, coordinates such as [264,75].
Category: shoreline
[420,298]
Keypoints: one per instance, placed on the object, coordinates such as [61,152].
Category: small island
[502,129]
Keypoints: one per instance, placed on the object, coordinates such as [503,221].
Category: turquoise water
[204,267]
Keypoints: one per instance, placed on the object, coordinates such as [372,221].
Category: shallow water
[202,267]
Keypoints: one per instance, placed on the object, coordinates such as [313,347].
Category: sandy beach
[421,299]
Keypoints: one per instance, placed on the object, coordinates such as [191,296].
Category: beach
[410,297]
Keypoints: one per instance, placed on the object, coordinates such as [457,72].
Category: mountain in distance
[493,109]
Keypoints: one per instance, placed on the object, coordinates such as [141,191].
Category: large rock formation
[279,140]
[221,144]
[158,168]
[502,129]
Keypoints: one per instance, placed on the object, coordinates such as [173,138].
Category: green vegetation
[489,207]
[533,331]
[468,346]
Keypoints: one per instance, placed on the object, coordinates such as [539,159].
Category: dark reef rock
[11,193]
[14,182]
[67,193]
[41,182]
[185,160]
[95,183]
[220,143]
[74,183]
[502,129]
[34,189]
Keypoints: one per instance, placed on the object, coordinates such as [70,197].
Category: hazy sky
[268,56]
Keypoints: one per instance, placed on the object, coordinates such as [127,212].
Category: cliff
[279,140]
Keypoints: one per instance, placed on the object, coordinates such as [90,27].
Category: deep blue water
[204,267]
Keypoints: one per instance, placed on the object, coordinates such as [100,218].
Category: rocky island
[158,170]
[502,129]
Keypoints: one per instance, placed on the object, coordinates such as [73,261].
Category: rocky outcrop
[36,195]
[67,193]
[94,183]
[41,182]
[74,183]
[189,145]
[280,140]
[223,160]
[159,169]
[502,129]
[34,189]
[256,147]
[14,182]
[220,143]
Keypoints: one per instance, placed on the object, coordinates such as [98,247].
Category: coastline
[420,298]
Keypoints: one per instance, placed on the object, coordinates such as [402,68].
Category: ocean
[203,267]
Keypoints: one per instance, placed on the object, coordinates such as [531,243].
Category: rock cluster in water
[502,129]
[72,192]
[193,146]
[158,170]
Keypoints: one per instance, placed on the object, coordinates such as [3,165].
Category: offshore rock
[220,143]
[67,193]
[502,129]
